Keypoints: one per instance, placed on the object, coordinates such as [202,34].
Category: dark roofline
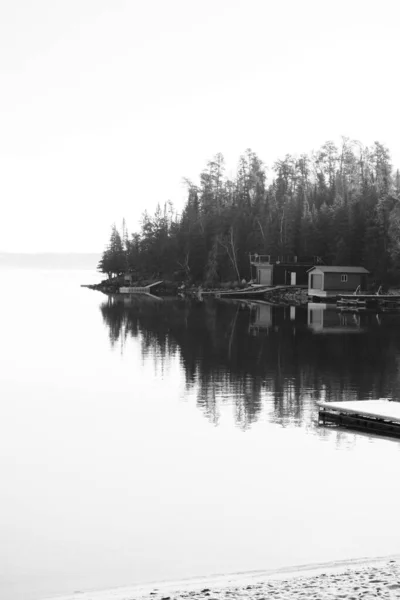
[339,269]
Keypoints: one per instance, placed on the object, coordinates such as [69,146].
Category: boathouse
[282,270]
[325,282]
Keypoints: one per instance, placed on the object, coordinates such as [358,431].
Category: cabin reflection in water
[262,315]
[326,318]
[265,316]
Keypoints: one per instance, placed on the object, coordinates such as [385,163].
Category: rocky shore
[352,580]
[287,295]
[275,295]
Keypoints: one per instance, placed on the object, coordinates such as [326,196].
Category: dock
[139,290]
[373,416]
[253,292]
[371,301]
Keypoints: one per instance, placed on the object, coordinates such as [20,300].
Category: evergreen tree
[113,260]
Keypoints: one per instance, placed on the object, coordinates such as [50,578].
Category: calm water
[159,440]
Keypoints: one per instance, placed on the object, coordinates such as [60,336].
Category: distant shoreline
[50,260]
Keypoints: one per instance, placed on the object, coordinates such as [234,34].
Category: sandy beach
[352,580]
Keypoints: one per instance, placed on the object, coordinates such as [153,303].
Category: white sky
[105,105]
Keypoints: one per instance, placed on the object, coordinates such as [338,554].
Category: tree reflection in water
[268,361]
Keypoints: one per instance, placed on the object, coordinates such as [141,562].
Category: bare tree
[185,264]
[229,244]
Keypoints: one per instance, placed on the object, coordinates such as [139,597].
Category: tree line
[341,202]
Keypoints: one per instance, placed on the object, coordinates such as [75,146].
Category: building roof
[339,269]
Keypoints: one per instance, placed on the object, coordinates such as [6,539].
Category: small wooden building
[263,272]
[325,282]
[282,270]
[291,274]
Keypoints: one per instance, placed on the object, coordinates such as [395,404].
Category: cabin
[291,274]
[271,270]
[325,282]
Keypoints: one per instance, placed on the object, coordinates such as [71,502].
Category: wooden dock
[139,290]
[373,416]
[245,293]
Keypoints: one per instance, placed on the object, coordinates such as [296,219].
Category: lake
[149,440]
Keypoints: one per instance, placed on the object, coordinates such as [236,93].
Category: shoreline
[279,295]
[352,578]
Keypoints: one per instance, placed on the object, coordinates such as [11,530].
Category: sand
[352,580]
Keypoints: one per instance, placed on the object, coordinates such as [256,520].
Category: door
[292,278]
[265,276]
[316,282]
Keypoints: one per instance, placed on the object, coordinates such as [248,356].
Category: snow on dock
[381,409]
[376,416]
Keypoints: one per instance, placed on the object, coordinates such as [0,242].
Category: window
[343,278]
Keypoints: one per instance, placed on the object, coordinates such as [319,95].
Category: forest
[341,203]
